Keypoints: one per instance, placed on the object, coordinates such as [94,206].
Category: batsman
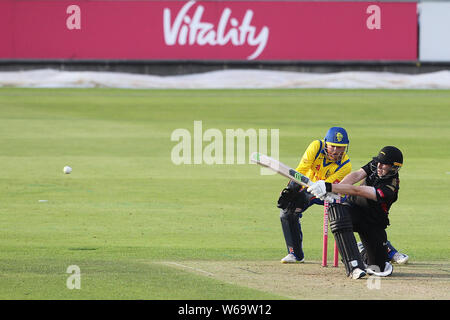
[326,159]
[367,208]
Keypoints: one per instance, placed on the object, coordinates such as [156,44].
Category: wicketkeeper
[326,160]
[365,211]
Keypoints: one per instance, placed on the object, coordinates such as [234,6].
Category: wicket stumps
[325,240]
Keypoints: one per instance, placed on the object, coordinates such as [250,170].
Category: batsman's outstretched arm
[321,188]
[348,189]
[354,177]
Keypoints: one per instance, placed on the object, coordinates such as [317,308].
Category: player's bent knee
[339,218]
[284,214]
[341,226]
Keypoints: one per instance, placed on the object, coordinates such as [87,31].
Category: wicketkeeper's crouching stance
[326,160]
[366,212]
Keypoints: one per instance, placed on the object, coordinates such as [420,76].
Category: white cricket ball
[67,169]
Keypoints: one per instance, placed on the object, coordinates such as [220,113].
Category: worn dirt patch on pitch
[311,281]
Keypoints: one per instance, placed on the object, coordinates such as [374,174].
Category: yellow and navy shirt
[315,165]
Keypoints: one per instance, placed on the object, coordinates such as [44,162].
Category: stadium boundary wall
[178,37]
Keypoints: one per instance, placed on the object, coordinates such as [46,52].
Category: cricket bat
[280,168]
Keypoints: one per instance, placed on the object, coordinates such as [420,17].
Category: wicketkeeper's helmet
[337,136]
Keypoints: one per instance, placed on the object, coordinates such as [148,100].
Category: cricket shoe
[357,273]
[291,258]
[388,269]
[400,258]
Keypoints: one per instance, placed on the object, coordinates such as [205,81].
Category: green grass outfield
[126,209]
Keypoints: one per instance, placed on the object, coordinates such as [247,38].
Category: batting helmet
[390,155]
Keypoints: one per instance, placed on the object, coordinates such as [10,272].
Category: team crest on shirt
[339,137]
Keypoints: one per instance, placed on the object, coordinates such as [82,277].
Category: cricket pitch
[305,281]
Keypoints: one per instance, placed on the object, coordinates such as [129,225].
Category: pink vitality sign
[208,30]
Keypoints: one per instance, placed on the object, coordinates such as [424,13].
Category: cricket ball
[67,169]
